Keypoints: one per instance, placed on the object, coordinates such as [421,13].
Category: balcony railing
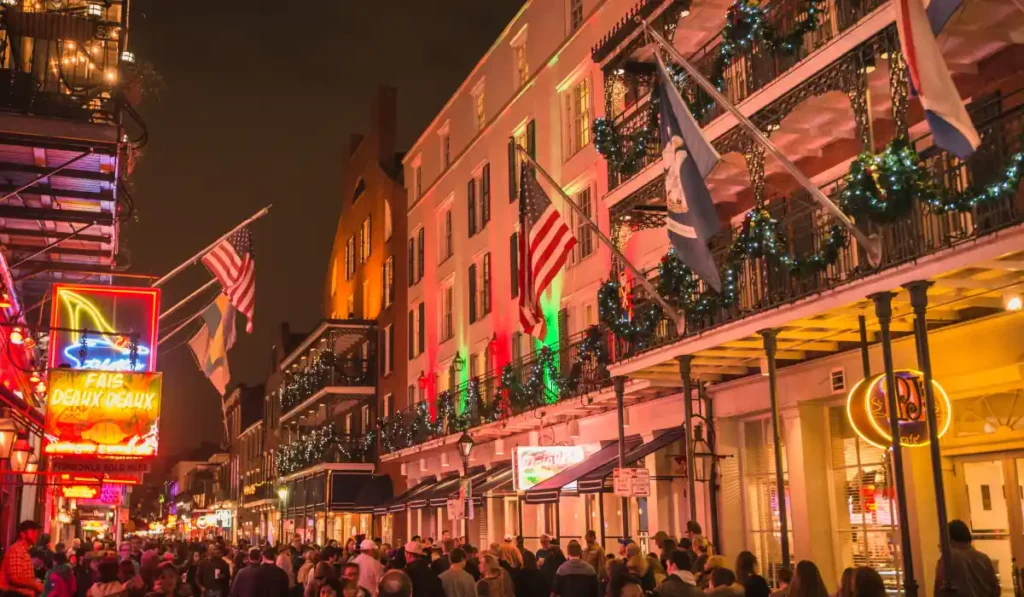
[748,72]
[323,445]
[327,370]
[544,377]
[62,63]
[764,284]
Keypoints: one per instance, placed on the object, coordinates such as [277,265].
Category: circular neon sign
[867,408]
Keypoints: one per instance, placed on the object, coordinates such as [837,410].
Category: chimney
[384,122]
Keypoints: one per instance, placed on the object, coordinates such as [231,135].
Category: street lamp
[466,444]
[282,492]
[458,362]
[20,453]
[8,433]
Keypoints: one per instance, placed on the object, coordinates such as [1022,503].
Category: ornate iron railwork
[666,15]
[898,89]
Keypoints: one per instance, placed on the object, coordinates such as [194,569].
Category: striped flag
[544,244]
[233,263]
[943,110]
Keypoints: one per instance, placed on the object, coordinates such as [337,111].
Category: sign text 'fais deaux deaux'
[102,413]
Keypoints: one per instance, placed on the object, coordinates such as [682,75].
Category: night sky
[257,104]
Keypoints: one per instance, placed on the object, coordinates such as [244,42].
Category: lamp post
[466,444]
[282,493]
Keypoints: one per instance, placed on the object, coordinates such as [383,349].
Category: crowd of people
[448,567]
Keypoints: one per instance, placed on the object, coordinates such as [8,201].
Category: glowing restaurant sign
[534,464]
[100,413]
[867,408]
[91,324]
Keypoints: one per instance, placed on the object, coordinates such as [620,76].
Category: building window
[411,262]
[479,112]
[415,341]
[350,257]
[387,220]
[389,347]
[513,263]
[485,285]
[334,275]
[524,137]
[364,240]
[584,231]
[447,239]
[389,405]
[366,418]
[446,148]
[471,205]
[474,366]
[522,64]
[412,395]
[577,117]
[365,300]
[421,239]
[417,180]
[447,306]
[348,424]
[762,496]
[576,14]
[480,288]
[387,278]
[472,293]
[485,195]
[350,307]
[421,321]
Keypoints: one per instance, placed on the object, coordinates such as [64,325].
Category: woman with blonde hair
[509,554]
[638,566]
[497,578]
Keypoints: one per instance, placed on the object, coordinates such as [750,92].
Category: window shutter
[412,329]
[384,355]
[485,195]
[419,263]
[369,235]
[391,349]
[472,293]
[531,138]
[423,327]
[512,182]
[412,262]
[471,205]
[485,306]
[513,257]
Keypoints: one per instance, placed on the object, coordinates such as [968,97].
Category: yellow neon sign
[867,409]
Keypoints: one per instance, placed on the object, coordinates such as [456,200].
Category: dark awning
[594,481]
[496,480]
[422,499]
[345,488]
[399,503]
[375,493]
[438,495]
[547,492]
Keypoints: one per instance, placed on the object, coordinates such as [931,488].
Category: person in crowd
[331,587]
[310,558]
[350,572]
[710,565]
[686,545]
[807,581]
[545,548]
[594,555]
[316,578]
[108,584]
[191,570]
[694,532]
[723,584]
[472,561]
[754,585]
[60,580]
[240,559]
[131,579]
[17,574]
[483,589]
[703,550]
[424,582]
[552,562]
[370,569]
[782,578]
[972,572]
[497,578]
[625,585]
[455,581]
[511,559]
[42,554]
[168,582]
[654,563]
[668,545]
[444,560]
[679,581]
[395,583]
[846,583]
[530,580]
[867,582]
[243,583]
[214,574]
[285,562]
[576,578]
[638,566]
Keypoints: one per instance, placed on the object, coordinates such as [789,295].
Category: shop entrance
[993,490]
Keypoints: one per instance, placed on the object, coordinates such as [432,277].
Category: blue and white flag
[213,341]
[689,159]
[930,79]
[939,12]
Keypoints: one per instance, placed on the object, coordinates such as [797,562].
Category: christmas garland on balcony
[613,145]
[314,447]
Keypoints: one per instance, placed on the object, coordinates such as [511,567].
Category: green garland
[315,447]
[971,197]
[613,145]
[636,329]
[884,187]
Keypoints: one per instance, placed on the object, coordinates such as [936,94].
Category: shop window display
[762,496]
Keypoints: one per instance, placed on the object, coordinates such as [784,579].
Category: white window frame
[581,229]
[415,307]
[366,299]
[389,366]
[364,237]
[389,404]
[446,321]
[388,281]
[520,58]
[575,26]
[417,177]
[479,104]
[445,142]
[388,226]
[348,424]
[446,229]
[365,418]
[576,127]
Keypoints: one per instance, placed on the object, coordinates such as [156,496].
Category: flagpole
[669,309]
[871,245]
[181,326]
[192,260]
[188,298]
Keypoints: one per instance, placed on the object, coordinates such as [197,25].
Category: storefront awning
[547,492]
[496,480]
[399,503]
[345,488]
[374,493]
[594,481]
[438,495]
[422,499]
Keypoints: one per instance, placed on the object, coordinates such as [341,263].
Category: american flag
[233,263]
[544,244]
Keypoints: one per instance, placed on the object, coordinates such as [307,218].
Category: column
[691,466]
[770,344]
[620,390]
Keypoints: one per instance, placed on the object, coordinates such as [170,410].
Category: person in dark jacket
[424,582]
[530,580]
[575,578]
[754,585]
[971,571]
[554,560]
[263,580]
[680,582]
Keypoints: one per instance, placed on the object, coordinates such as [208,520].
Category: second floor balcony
[322,445]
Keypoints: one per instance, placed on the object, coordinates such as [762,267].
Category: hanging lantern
[17,336]
[20,453]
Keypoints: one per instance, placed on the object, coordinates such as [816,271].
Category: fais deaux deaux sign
[535,464]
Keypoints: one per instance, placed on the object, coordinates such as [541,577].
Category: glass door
[994,496]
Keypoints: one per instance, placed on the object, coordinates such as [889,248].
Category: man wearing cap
[370,569]
[17,574]
[424,582]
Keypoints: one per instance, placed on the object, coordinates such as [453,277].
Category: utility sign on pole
[622,480]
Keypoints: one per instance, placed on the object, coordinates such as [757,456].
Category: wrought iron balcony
[327,370]
[323,446]
[544,377]
[763,284]
[751,69]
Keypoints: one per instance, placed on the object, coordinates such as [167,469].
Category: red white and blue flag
[944,111]
[233,263]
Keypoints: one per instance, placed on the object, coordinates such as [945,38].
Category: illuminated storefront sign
[867,408]
[81,492]
[106,414]
[534,464]
[107,311]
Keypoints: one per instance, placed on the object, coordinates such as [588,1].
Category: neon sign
[867,408]
[534,464]
[98,325]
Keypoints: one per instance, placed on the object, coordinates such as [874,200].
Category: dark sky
[257,105]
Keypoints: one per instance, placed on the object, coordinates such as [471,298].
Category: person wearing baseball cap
[424,580]
[17,574]
[370,568]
